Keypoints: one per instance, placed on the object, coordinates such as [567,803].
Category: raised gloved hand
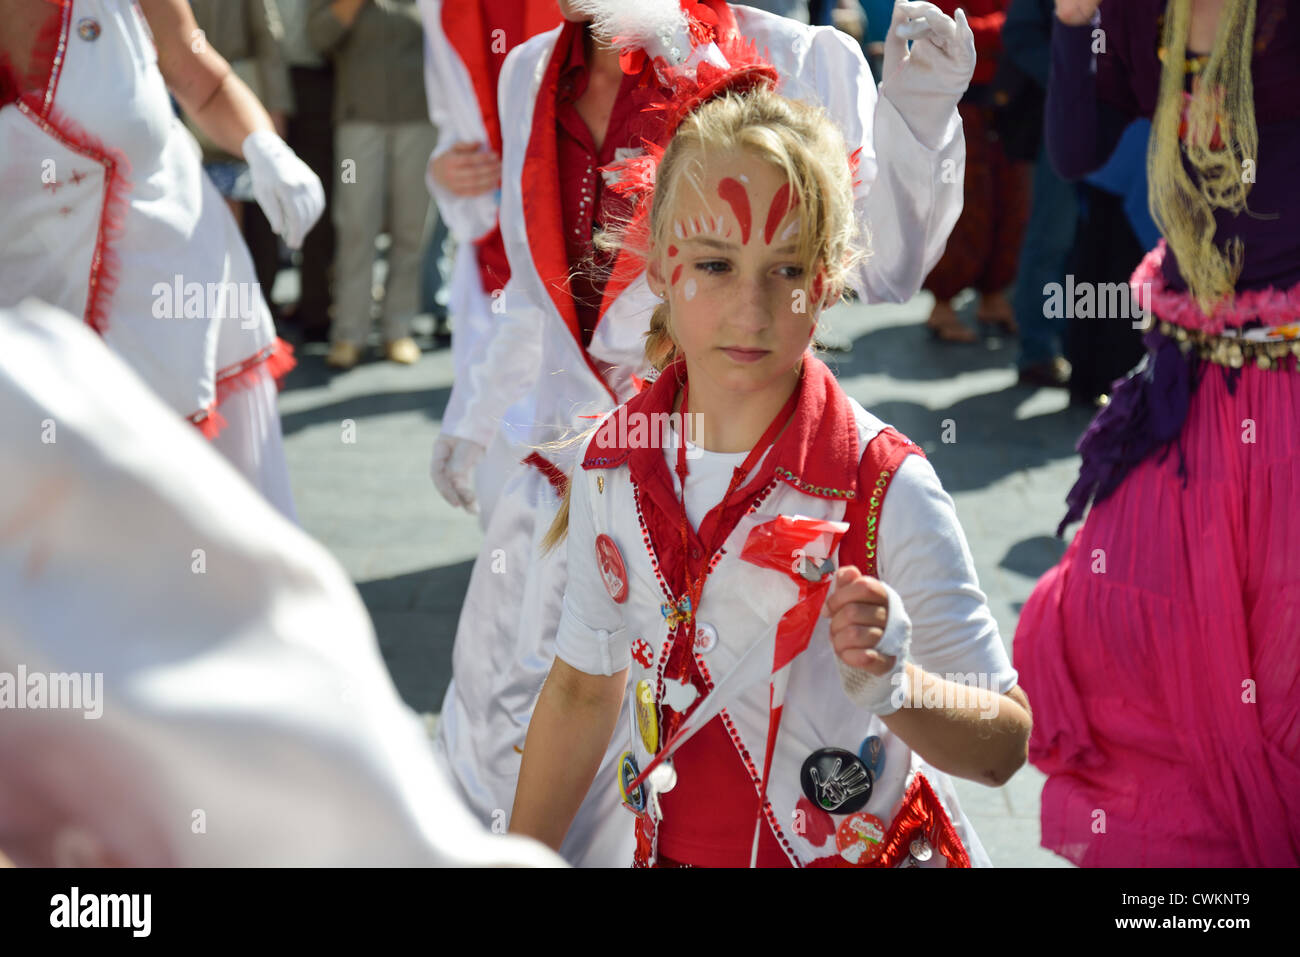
[289,193]
[925,84]
[452,470]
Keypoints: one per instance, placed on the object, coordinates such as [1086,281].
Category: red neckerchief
[818,454]
[694,585]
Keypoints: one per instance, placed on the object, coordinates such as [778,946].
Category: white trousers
[505,644]
[253,444]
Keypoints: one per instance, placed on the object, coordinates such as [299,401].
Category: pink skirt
[1162,655]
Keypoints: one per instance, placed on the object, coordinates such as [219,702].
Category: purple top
[1087,112]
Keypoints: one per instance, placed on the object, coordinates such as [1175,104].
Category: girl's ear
[654,274]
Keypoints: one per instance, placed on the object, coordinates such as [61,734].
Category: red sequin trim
[103,263]
[920,815]
[275,360]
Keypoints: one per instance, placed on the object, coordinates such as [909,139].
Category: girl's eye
[713,266]
[790,272]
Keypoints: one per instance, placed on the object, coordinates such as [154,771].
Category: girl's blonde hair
[1181,207]
[799,140]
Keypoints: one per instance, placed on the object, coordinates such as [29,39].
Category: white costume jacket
[239,712]
[109,215]
[460,47]
[933,592]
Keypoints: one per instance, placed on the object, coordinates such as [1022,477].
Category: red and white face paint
[742,310]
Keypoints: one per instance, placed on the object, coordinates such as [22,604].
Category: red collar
[818,454]
[573,70]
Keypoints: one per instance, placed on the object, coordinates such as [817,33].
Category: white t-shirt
[708,474]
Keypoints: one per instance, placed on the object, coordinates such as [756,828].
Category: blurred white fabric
[245,716]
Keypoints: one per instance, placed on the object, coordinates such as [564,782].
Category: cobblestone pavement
[370,501]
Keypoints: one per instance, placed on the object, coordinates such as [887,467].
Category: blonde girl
[905,679]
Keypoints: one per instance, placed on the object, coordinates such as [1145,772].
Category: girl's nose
[751,310]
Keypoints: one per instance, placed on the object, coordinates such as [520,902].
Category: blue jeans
[1044,257]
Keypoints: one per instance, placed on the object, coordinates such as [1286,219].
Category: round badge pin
[663,778]
[627,773]
[859,838]
[706,637]
[921,850]
[88,29]
[647,717]
[836,780]
[872,753]
[612,570]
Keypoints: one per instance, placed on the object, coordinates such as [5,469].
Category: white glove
[882,694]
[289,193]
[452,470]
[925,84]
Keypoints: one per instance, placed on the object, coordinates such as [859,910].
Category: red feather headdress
[695,57]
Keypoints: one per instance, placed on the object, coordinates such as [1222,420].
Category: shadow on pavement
[907,352]
[1031,557]
[432,402]
[985,441]
[415,617]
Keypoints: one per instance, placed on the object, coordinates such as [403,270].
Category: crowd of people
[723,649]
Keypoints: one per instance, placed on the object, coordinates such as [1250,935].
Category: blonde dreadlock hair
[800,140]
[1183,209]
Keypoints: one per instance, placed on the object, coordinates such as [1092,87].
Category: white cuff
[593,651]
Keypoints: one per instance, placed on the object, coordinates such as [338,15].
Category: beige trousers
[381,181]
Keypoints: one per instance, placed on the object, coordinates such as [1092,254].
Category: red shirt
[584,202]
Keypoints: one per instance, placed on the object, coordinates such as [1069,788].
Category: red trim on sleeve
[475,29]
[559,481]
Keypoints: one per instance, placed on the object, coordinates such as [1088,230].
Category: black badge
[836,780]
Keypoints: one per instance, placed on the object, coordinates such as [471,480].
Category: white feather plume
[655,26]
